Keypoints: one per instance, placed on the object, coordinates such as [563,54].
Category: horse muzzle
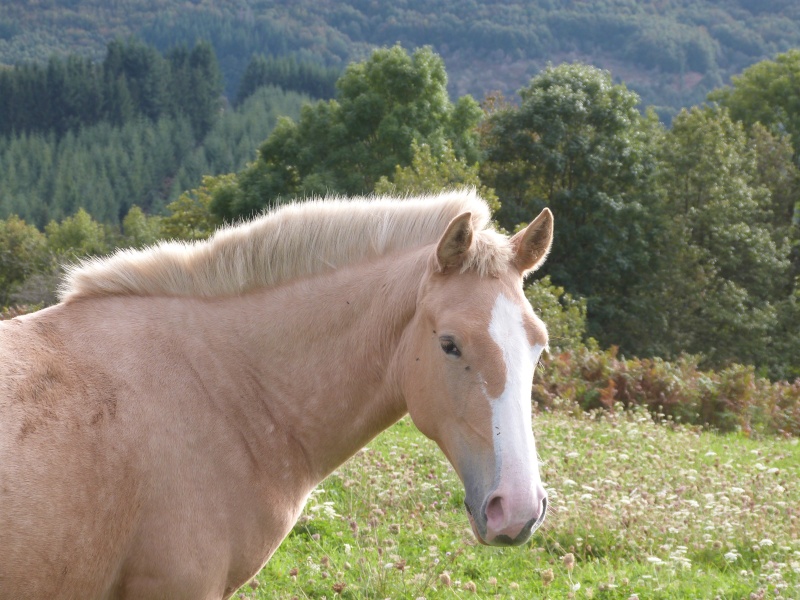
[503,522]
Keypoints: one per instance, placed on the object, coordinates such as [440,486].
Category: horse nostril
[494,512]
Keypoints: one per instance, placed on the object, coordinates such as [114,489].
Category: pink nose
[511,522]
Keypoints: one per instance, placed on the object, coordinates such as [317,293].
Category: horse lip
[542,516]
[474,526]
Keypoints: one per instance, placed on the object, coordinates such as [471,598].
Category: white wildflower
[731,556]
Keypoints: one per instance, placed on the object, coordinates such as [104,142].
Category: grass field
[638,510]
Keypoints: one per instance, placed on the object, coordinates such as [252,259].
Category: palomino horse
[162,427]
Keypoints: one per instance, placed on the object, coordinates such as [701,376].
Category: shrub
[733,399]
[564,315]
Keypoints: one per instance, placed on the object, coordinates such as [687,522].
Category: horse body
[162,446]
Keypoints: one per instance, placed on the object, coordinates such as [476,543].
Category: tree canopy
[344,146]
[577,144]
[678,50]
[725,271]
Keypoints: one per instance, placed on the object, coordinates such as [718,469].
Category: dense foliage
[106,168]
[344,146]
[288,73]
[133,81]
[730,399]
[576,375]
[577,144]
[672,53]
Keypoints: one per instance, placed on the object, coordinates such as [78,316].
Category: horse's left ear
[455,242]
[532,244]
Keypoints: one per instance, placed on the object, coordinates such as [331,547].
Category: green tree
[190,216]
[140,230]
[142,72]
[724,272]
[564,315]
[202,102]
[429,174]
[344,146]
[766,93]
[578,145]
[778,172]
[76,236]
[23,251]
[289,74]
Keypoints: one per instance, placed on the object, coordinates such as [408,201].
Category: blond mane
[292,241]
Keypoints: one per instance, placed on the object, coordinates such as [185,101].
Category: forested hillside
[671,53]
[137,128]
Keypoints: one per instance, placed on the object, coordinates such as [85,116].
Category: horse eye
[449,346]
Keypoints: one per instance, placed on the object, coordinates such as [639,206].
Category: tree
[76,236]
[23,251]
[778,172]
[140,230]
[191,218]
[144,73]
[724,272]
[344,146]
[202,99]
[767,93]
[578,145]
[289,74]
[429,174]
[765,96]
[565,316]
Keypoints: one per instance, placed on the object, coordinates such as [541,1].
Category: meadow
[641,507]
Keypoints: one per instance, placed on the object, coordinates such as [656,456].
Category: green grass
[646,510]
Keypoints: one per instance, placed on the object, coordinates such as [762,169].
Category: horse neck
[324,348]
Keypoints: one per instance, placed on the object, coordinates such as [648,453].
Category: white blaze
[515,449]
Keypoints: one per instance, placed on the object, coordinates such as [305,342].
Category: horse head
[470,352]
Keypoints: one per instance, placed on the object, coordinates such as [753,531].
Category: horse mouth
[474,525]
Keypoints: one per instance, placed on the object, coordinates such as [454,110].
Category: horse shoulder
[58,467]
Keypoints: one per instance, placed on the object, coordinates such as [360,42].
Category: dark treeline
[105,168]
[673,41]
[236,39]
[137,128]
[288,73]
[134,81]
[672,53]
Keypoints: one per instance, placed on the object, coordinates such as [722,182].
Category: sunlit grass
[637,509]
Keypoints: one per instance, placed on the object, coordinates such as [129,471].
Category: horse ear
[455,242]
[532,244]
